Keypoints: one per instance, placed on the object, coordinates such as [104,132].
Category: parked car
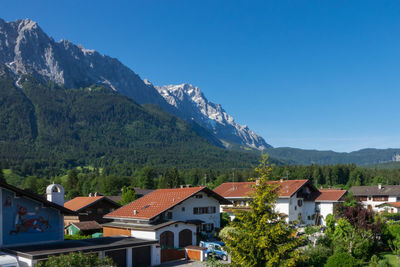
[215,249]
[8,260]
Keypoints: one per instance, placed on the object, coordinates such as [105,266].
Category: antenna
[205,179]
[287,175]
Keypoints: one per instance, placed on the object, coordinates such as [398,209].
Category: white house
[372,197]
[172,216]
[326,201]
[296,201]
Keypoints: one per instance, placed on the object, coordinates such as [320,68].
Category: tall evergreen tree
[260,237]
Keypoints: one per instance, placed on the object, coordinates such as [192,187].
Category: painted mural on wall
[27,221]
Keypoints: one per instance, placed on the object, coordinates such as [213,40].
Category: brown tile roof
[88,225]
[158,201]
[373,190]
[244,189]
[79,203]
[390,204]
[328,195]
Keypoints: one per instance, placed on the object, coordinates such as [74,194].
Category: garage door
[141,256]
[118,256]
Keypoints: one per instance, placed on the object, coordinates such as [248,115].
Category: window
[169,215]
[295,207]
[207,227]
[380,198]
[199,196]
[204,210]
[362,198]
[300,202]
[183,208]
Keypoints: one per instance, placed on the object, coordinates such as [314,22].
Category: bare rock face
[25,48]
[191,104]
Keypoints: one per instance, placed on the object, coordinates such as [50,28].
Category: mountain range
[26,49]
[61,101]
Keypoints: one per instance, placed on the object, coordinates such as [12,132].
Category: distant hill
[41,121]
[297,156]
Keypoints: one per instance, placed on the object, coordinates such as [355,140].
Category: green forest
[43,126]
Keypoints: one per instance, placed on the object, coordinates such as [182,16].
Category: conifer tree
[260,237]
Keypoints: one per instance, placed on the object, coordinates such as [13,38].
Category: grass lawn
[390,257]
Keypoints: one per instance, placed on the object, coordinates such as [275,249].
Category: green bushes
[342,259]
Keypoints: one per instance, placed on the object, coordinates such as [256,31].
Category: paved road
[184,263]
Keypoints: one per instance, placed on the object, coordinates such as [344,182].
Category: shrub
[342,259]
[316,256]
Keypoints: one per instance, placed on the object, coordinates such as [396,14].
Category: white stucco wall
[326,208]
[193,202]
[175,228]
[307,211]
[151,235]
[374,204]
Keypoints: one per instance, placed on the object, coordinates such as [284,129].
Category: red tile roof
[158,201]
[330,195]
[244,189]
[392,204]
[79,203]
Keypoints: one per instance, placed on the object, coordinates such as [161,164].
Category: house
[391,207]
[90,208]
[172,216]
[297,200]
[372,197]
[83,228]
[32,230]
[325,203]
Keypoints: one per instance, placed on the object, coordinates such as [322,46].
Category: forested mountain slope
[95,125]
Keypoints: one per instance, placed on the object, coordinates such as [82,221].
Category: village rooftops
[376,190]
[79,203]
[330,195]
[390,204]
[159,201]
[244,189]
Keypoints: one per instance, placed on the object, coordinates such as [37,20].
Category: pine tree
[128,195]
[260,237]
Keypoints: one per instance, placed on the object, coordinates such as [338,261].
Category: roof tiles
[155,203]
[244,189]
[330,195]
[79,203]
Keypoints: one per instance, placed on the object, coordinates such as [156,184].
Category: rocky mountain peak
[191,104]
[25,48]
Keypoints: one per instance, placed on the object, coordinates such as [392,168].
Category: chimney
[95,194]
[55,194]
[134,212]
[188,185]
[281,180]
[257,181]
[379,186]
[181,185]
[90,194]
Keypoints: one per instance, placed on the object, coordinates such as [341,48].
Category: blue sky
[308,74]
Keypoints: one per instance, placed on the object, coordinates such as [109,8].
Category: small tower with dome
[55,194]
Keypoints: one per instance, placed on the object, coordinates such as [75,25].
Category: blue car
[215,249]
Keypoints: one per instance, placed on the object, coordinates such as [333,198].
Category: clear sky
[308,74]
